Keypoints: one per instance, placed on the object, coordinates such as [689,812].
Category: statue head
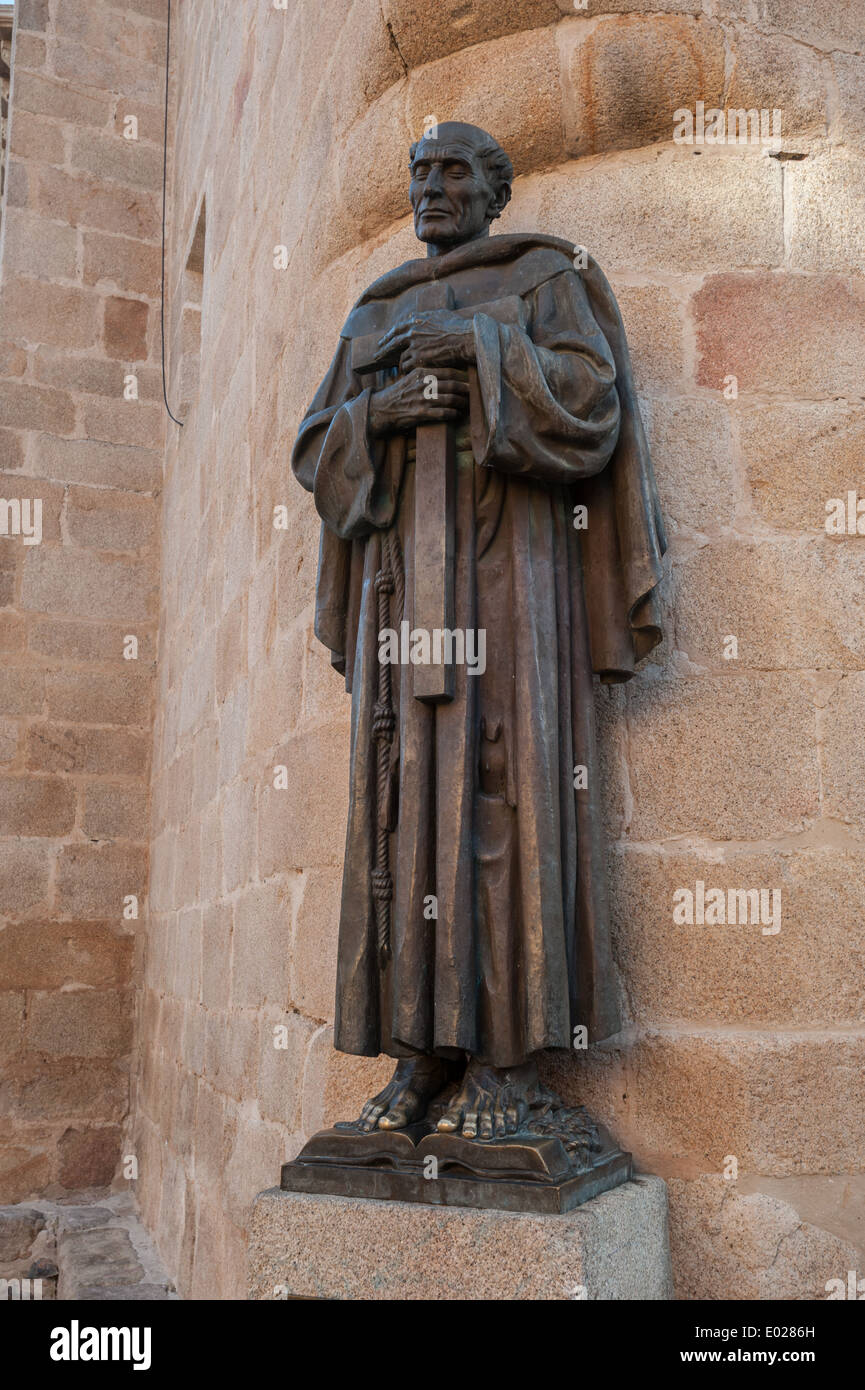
[460,183]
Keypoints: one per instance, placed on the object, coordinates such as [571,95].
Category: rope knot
[382,885]
[384,582]
[383,722]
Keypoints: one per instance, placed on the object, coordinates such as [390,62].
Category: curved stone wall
[731,262]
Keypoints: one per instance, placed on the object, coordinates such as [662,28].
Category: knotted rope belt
[390,580]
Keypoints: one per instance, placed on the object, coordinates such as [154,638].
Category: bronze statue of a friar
[491,538]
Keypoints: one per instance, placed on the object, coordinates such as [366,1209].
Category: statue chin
[439,239]
[445,237]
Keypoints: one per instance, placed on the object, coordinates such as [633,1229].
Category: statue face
[451,198]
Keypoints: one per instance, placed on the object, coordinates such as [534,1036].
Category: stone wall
[79,328]
[290,130]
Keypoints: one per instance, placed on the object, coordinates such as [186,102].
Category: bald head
[460,182]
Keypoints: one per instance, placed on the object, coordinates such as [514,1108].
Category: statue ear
[499,201]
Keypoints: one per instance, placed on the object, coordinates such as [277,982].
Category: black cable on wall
[164,179]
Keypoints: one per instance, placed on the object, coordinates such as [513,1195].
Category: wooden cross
[434,516]
[434,531]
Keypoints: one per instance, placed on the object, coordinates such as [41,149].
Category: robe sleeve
[336,460]
[549,406]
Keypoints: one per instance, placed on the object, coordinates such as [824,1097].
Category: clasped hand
[438,340]
[434,338]
[423,397]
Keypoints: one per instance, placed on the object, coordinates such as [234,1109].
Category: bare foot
[406,1096]
[492,1101]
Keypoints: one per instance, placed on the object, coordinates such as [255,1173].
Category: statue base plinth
[528,1172]
[559,1158]
[311,1245]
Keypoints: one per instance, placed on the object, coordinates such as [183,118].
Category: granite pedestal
[614,1246]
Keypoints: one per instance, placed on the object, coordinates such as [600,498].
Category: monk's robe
[499,933]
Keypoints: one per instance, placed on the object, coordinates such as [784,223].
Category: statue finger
[513,1119]
[470,1124]
[444,386]
[450,380]
[485,1126]
[396,330]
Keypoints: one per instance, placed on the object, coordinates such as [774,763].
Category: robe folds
[499,938]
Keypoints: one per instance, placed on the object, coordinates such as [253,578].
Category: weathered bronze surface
[479,399]
[559,1159]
